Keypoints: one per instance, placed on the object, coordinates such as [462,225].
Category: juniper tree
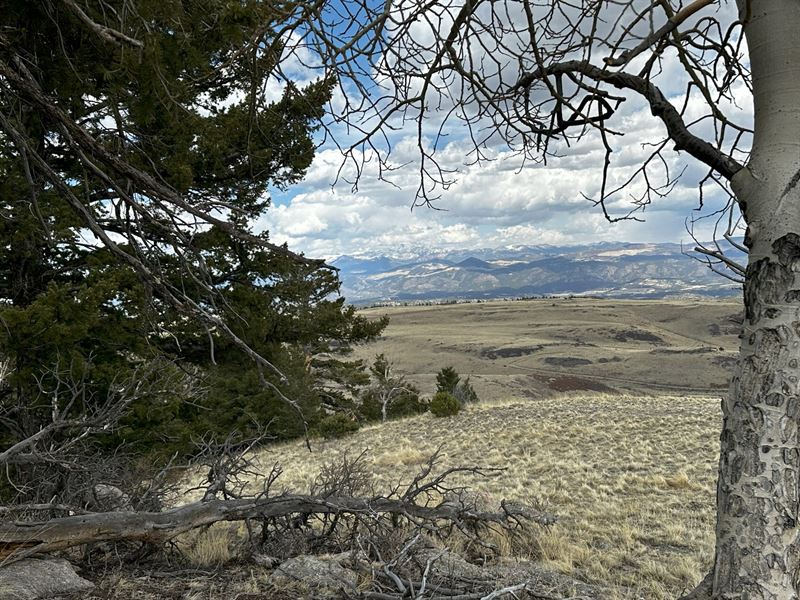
[139,143]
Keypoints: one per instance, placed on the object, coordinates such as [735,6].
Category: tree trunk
[758,541]
[758,502]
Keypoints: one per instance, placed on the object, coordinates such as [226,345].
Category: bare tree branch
[659,105]
[107,33]
[671,25]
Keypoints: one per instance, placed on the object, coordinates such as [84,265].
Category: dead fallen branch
[22,539]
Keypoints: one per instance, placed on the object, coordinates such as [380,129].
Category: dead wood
[21,539]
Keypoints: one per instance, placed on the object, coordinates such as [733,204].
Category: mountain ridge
[609,269]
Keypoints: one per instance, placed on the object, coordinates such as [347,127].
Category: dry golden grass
[631,476]
[209,547]
[519,349]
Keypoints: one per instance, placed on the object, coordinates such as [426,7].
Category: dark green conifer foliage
[447,380]
[444,404]
[153,122]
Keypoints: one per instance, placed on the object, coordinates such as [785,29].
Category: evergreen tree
[447,380]
[139,142]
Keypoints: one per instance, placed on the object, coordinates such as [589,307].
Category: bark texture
[758,502]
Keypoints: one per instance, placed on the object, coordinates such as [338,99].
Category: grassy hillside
[607,412]
[632,477]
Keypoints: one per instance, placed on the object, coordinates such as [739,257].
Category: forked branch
[660,107]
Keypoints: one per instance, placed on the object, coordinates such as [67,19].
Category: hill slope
[631,471]
[632,478]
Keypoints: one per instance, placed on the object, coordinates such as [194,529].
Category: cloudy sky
[501,202]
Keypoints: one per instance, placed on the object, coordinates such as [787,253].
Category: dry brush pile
[393,542]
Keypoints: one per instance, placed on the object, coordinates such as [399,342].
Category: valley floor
[535,348]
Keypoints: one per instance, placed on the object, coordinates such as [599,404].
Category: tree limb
[733,265]
[660,107]
[106,33]
[21,539]
[663,31]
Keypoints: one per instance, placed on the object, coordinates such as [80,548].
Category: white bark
[758,501]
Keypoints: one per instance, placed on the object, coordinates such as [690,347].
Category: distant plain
[533,348]
[606,412]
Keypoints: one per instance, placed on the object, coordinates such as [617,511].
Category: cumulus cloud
[498,203]
[357,207]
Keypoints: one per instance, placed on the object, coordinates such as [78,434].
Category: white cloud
[498,203]
[503,200]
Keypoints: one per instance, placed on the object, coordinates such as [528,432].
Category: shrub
[465,393]
[337,425]
[448,380]
[444,405]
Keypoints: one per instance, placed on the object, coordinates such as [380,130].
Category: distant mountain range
[619,270]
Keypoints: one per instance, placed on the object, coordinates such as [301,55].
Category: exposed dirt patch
[703,350]
[604,360]
[567,361]
[493,353]
[730,325]
[725,361]
[571,383]
[637,335]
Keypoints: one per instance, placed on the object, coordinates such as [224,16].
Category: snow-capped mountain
[604,269]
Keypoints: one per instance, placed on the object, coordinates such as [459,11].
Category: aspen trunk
[758,539]
[758,546]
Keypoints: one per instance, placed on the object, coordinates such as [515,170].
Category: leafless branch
[24,538]
[107,33]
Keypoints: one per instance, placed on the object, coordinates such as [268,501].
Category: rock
[446,565]
[104,497]
[320,574]
[264,560]
[33,578]
[349,559]
[541,578]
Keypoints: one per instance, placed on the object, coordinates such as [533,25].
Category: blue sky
[499,203]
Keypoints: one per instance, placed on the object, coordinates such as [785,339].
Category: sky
[501,202]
